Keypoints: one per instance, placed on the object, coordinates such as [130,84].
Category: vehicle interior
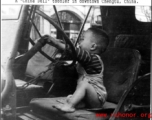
[38,76]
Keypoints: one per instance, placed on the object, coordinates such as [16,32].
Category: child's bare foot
[65,108]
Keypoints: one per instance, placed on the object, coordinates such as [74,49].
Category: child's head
[95,40]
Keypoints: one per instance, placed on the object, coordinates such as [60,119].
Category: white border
[81,2]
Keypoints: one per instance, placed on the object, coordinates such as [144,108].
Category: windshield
[10,12]
[143,13]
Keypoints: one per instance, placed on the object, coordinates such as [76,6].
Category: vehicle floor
[24,113]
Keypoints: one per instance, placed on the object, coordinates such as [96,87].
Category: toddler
[90,68]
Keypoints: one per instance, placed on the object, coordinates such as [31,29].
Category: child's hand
[49,39]
[54,42]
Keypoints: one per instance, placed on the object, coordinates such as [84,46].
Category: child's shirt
[90,62]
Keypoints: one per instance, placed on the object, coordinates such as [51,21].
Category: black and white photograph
[76,62]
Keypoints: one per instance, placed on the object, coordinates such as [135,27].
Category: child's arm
[82,55]
[55,42]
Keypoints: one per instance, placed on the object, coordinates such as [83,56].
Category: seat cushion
[44,106]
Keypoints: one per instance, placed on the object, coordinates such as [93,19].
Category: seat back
[120,71]
[142,43]
[39,63]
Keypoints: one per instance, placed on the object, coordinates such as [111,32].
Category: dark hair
[104,36]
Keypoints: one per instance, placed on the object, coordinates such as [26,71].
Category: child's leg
[80,105]
[83,90]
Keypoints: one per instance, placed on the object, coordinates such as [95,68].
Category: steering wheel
[67,40]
